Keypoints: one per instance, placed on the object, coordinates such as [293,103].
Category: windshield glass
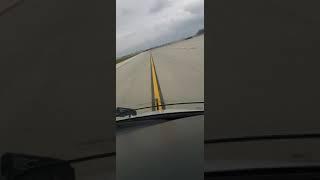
[170,77]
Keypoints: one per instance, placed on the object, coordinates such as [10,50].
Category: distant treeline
[201,31]
[123,58]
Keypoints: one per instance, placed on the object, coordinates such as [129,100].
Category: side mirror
[26,167]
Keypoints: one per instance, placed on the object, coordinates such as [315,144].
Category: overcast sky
[142,24]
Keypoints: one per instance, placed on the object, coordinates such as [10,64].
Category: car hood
[168,150]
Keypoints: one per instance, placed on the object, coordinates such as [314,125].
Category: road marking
[156,99]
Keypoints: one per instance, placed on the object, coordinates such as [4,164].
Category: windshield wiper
[123,112]
[155,118]
[170,104]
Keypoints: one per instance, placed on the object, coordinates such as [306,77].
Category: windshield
[170,77]
[159,89]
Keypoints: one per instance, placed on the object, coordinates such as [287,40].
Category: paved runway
[169,74]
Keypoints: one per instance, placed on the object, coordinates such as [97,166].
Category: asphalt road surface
[169,74]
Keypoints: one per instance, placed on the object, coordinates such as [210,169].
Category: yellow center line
[156,89]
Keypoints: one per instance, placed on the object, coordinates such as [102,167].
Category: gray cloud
[195,8]
[126,12]
[159,6]
[142,24]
